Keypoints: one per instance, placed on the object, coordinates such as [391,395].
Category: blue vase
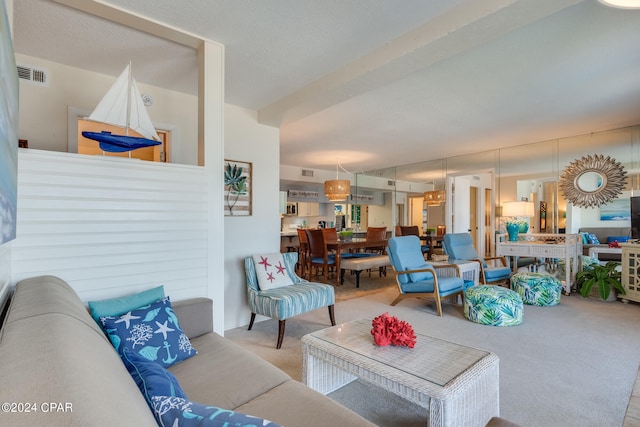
[524,227]
[513,228]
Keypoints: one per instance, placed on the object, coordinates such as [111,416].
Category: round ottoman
[537,289]
[493,305]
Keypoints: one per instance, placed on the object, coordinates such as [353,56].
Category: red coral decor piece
[388,330]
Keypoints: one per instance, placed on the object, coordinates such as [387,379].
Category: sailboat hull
[119,143]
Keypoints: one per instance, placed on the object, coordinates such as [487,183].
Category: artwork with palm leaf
[237,188]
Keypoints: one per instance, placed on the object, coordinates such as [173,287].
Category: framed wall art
[8,134]
[237,188]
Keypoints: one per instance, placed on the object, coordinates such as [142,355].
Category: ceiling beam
[469,25]
[133,20]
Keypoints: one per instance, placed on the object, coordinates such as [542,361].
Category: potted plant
[345,235]
[606,278]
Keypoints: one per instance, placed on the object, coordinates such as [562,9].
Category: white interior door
[461,208]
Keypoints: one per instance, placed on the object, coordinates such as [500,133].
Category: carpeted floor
[569,365]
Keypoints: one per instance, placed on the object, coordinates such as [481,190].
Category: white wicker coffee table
[458,385]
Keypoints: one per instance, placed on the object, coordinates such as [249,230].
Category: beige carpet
[569,365]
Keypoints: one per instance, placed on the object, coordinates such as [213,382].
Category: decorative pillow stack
[145,331]
[271,271]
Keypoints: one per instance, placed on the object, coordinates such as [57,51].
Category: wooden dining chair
[303,251]
[376,234]
[330,234]
[319,255]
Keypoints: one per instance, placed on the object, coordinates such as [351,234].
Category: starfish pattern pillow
[151,331]
[271,271]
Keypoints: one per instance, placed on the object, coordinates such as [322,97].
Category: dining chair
[303,251]
[374,235]
[319,255]
[330,234]
[413,230]
[418,279]
[459,246]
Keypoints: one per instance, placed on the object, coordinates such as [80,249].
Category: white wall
[44,110]
[248,141]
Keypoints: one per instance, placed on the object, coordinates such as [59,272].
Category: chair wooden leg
[438,304]
[253,317]
[332,316]
[281,325]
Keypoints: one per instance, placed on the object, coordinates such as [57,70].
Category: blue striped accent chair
[287,301]
[459,246]
[418,279]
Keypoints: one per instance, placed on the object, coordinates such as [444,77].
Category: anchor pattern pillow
[151,331]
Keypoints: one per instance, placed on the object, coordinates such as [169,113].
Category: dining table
[340,246]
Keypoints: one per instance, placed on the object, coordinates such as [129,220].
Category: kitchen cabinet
[308,209]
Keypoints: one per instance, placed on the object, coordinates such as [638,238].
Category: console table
[564,246]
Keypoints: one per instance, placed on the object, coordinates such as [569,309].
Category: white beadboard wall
[111,227]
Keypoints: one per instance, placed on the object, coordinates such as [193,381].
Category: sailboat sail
[122,106]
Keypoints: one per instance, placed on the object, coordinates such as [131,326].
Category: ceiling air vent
[36,76]
[307,172]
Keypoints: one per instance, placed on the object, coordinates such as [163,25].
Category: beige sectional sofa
[58,368]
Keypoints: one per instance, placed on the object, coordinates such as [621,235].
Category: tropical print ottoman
[537,289]
[493,305]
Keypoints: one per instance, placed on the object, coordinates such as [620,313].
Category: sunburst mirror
[592,181]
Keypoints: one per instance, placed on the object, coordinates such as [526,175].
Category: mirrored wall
[476,186]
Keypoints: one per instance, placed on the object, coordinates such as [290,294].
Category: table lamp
[516,210]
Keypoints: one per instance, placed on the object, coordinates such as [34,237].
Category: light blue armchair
[288,301]
[459,246]
[418,279]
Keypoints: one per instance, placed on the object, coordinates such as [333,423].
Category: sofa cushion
[225,362]
[176,411]
[271,271]
[151,378]
[121,305]
[152,331]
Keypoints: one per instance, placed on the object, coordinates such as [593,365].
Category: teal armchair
[459,246]
[418,279]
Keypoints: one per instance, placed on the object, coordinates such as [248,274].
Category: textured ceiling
[375,83]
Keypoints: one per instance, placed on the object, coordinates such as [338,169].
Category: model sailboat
[122,106]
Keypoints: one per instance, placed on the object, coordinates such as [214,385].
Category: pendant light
[337,190]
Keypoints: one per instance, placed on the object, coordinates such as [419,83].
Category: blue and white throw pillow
[151,331]
[176,411]
[151,378]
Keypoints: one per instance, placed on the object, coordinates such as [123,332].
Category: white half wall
[112,226]
[248,141]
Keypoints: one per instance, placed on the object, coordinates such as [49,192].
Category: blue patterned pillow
[593,239]
[152,331]
[151,378]
[170,411]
